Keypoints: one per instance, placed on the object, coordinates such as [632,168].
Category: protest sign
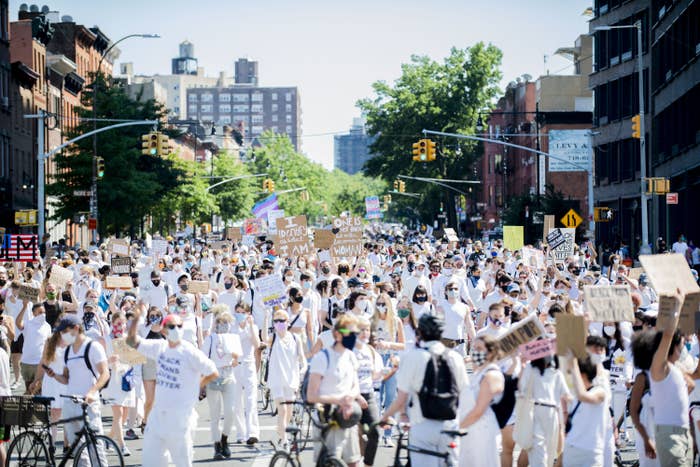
[198,287]
[513,237]
[119,247]
[126,353]
[120,265]
[665,315]
[272,217]
[634,273]
[521,333]
[29,293]
[222,245]
[248,240]
[233,234]
[555,238]
[271,289]
[548,225]
[450,234]
[60,276]
[537,349]
[533,257]
[118,282]
[670,272]
[608,303]
[566,249]
[571,335]
[689,313]
[253,226]
[159,248]
[292,237]
[323,239]
[348,237]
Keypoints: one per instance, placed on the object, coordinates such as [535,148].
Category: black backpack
[87,361]
[504,408]
[439,394]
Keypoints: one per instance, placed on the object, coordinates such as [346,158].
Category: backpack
[438,396]
[504,408]
[87,361]
[304,387]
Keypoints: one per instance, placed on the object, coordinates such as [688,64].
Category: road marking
[262,428]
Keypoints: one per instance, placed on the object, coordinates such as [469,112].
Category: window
[207,97]
[274,96]
[240,117]
[288,118]
[241,108]
[240,98]
[225,120]
[257,97]
[205,108]
[275,107]
[224,109]
[288,97]
[288,107]
[257,119]
[191,97]
[256,108]
[274,118]
[256,130]
[288,129]
[192,109]
[224,97]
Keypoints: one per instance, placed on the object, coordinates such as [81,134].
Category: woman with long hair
[408,321]
[153,328]
[419,302]
[300,322]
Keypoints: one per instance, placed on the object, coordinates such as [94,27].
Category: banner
[19,248]
[513,237]
[292,237]
[570,146]
[348,237]
[608,303]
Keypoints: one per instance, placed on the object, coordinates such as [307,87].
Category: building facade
[246,71]
[351,151]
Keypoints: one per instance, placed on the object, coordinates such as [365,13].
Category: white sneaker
[388,442]
[125,451]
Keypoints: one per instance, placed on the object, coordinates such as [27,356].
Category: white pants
[575,457]
[246,401]
[221,403]
[426,435]
[94,413]
[169,431]
[545,437]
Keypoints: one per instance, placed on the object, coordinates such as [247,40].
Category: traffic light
[266,184]
[431,150]
[149,144]
[164,147]
[636,126]
[402,186]
[420,151]
[396,185]
[602,214]
[100,167]
[387,199]
[657,186]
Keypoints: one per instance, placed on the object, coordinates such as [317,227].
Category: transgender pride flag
[263,207]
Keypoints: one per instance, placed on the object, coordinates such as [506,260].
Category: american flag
[23,247]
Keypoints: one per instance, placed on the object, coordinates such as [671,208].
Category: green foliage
[443,96]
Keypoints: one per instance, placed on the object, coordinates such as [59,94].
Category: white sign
[159,248]
[271,289]
[566,249]
[570,147]
[272,217]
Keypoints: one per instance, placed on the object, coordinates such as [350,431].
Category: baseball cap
[513,288]
[354,282]
[68,321]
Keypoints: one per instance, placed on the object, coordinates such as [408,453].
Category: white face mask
[596,358]
[175,335]
[609,330]
[68,338]
[362,305]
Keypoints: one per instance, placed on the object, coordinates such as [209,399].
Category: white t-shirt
[80,378]
[247,346]
[339,371]
[369,362]
[36,331]
[5,389]
[455,314]
[219,348]
[179,371]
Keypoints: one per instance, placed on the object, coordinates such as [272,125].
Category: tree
[132,183]
[443,96]
[233,199]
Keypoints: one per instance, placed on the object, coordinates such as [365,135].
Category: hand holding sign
[669,312]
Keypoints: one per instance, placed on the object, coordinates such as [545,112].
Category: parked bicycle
[33,447]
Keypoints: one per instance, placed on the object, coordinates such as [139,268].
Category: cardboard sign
[60,276]
[688,322]
[127,354]
[348,237]
[198,287]
[634,273]
[665,316]
[292,237]
[533,257]
[119,247]
[29,293]
[609,303]
[555,238]
[253,226]
[323,239]
[523,332]
[159,248]
[450,234]
[571,334]
[513,237]
[670,272]
[548,225]
[271,289]
[118,282]
[233,234]
[220,245]
[120,265]
[566,249]
[537,349]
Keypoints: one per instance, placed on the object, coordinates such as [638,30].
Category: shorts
[28,372]
[148,370]
[17,345]
[343,443]
[283,392]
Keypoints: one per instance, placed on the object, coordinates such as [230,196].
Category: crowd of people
[404,335]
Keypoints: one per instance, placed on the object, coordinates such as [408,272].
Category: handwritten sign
[513,237]
[450,234]
[159,248]
[60,276]
[323,239]
[566,249]
[119,247]
[670,272]
[120,265]
[609,303]
[118,282]
[127,354]
[271,289]
[292,237]
[198,287]
[666,310]
[29,293]
[533,257]
[272,217]
[571,334]
[233,234]
[537,349]
[523,332]
[348,237]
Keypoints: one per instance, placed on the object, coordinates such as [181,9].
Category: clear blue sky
[332,50]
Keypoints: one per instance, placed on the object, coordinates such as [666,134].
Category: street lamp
[93,187]
[642,138]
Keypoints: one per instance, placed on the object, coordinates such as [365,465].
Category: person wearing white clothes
[459,327]
[246,389]
[183,370]
[224,349]
[5,389]
[35,330]
[641,410]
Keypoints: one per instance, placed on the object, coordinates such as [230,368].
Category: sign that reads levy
[609,303]
[348,237]
[292,237]
[523,332]
[120,265]
[60,276]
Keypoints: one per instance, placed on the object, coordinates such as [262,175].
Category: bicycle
[403,445]
[283,458]
[301,419]
[29,448]
[264,397]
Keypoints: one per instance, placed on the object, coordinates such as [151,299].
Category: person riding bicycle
[426,428]
[333,381]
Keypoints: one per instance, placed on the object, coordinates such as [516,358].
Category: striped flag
[266,205]
[24,247]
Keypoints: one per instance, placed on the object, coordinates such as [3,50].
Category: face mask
[240,317]
[637,328]
[68,338]
[362,305]
[155,283]
[342,290]
[421,299]
[155,319]
[51,295]
[223,328]
[298,299]
[615,261]
[381,307]
[349,341]
[183,287]
[609,330]
[403,313]
[302,265]
[280,327]
[496,322]
[175,335]
[596,358]
[478,357]
[306,285]
[447,271]
[453,293]
[397,270]
[88,320]
[325,270]
[118,330]
[228,285]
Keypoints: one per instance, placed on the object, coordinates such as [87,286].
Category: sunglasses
[173,326]
[346,332]
[279,320]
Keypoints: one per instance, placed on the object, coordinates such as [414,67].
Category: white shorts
[283,392]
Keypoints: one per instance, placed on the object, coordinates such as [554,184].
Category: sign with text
[233,234]
[118,282]
[566,249]
[348,237]
[120,265]
[118,247]
[323,239]
[271,289]
[513,237]
[670,272]
[634,273]
[671,198]
[571,335]
[292,237]
[523,332]
[608,303]
[570,147]
[127,354]
[450,235]
[60,276]
[272,217]
[372,208]
[19,247]
[548,225]
[29,293]
[537,349]
[533,257]
[198,287]
[555,238]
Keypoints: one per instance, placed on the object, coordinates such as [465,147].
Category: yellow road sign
[571,219]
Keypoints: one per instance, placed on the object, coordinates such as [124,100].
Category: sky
[332,50]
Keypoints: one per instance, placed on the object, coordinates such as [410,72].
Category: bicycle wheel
[283,459]
[263,401]
[28,450]
[105,454]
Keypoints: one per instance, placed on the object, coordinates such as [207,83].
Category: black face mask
[421,299]
[349,341]
[3,282]
[325,270]
[85,260]
[392,294]
[155,283]
[298,299]
[637,328]
[228,285]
